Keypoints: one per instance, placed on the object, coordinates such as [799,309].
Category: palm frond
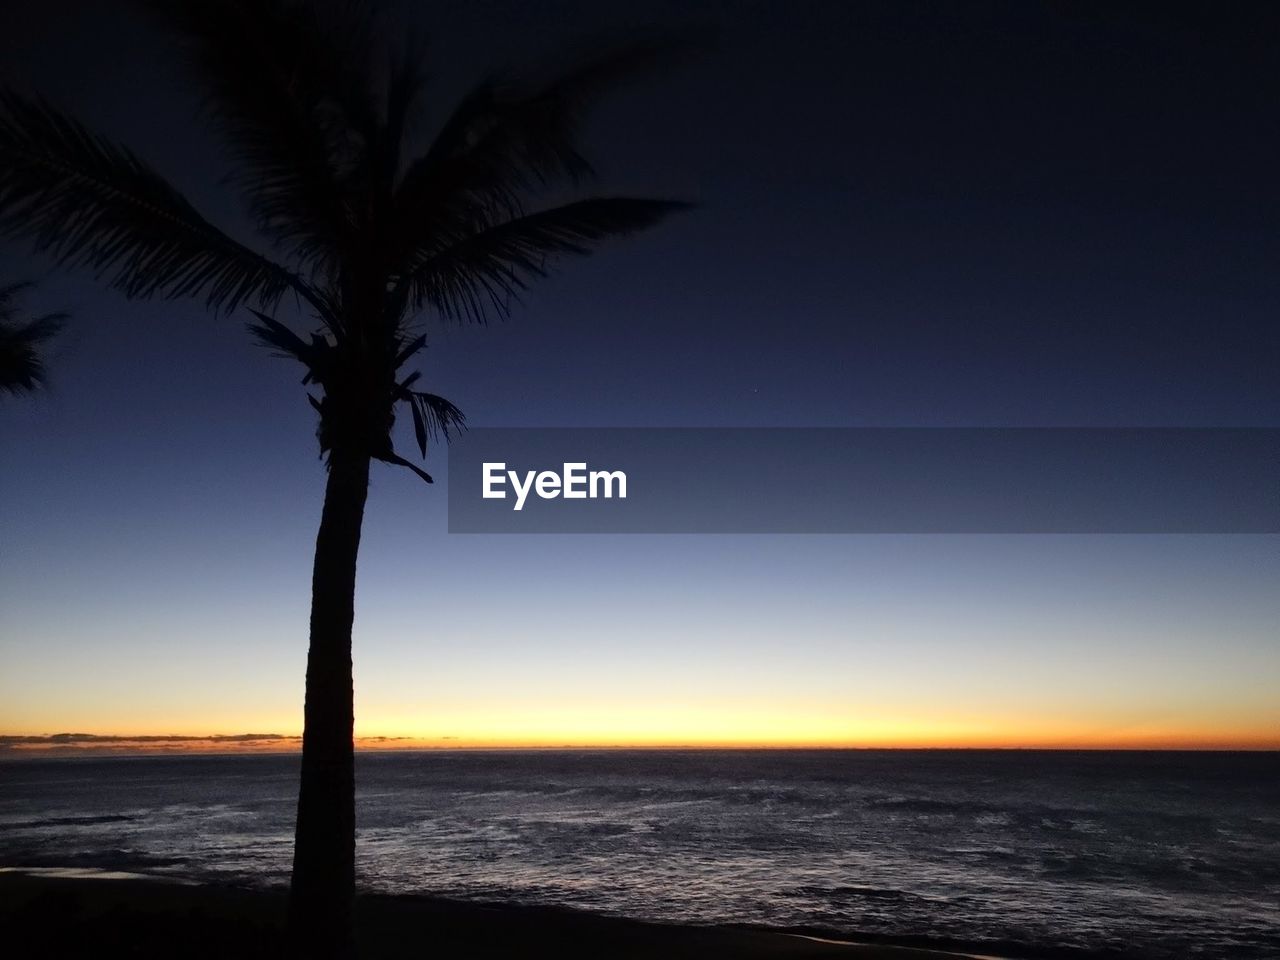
[507,137]
[22,367]
[11,298]
[433,417]
[405,78]
[317,355]
[407,347]
[485,272]
[288,82]
[92,203]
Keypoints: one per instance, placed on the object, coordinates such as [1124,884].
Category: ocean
[1152,855]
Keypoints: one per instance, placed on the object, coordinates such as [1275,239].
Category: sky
[908,215]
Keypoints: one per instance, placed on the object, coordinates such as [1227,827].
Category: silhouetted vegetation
[368,232]
[23,340]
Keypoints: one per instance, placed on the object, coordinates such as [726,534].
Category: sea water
[1156,855]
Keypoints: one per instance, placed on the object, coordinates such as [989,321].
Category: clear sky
[989,217]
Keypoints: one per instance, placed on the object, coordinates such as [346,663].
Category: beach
[70,914]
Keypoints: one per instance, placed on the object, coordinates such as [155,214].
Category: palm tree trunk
[322,891]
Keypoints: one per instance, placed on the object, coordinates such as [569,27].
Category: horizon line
[15,746]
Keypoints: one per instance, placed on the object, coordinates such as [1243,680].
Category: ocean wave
[75,821]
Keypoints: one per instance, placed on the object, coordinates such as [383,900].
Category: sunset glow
[675,726]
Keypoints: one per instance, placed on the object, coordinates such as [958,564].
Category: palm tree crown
[373,233]
[366,234]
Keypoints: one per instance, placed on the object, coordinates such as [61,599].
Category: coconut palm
[366,237]
[22,341]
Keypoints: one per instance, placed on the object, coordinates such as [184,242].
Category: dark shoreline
[92,916]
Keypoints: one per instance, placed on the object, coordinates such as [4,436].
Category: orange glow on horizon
[598,722]
[886,736]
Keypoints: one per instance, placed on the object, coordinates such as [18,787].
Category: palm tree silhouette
[22,341]
[373,235]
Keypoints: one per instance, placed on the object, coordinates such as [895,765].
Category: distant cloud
[81,744]
[100,738]
[67,744]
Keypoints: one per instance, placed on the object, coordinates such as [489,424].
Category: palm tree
[21,342]
[367,235]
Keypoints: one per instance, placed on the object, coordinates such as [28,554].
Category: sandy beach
[73,914]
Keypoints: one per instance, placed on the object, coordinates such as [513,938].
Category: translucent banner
[872,480]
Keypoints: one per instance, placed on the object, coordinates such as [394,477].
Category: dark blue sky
[910,214]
